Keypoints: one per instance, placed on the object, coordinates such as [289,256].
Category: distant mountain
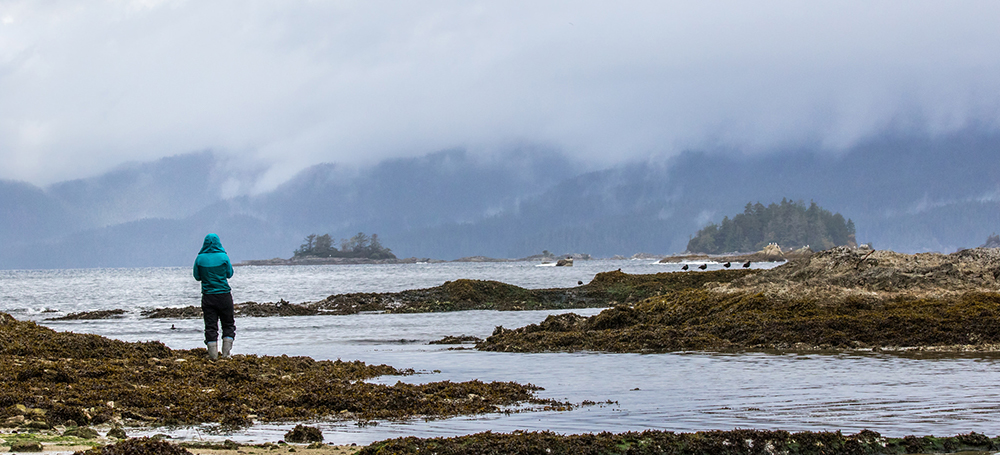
[904,193]
[907,193]
[155,213]
[172,187]
[29,214]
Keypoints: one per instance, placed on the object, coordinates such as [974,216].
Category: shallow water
[29,292]
[894,395]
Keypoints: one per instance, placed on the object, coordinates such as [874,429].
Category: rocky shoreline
[839,299]
[733,442]
[61,383]
[54,378]
[736,442]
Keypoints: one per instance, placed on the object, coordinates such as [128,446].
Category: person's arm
[229,269]
[197,276]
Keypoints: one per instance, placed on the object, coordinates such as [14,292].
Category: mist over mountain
[904,192]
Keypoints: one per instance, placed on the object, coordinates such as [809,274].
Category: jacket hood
[212,245]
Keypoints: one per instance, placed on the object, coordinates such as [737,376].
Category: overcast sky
[85,86]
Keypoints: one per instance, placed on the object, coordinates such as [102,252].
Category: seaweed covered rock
[88,379]
[735,442]
[606,289]
[88,315]
[25,338]
[843,268]
[700,319]
[455,295]
[280,308]
[842,298]
[457,339]
[304,434]
[26,446]
[81,432]
[245,309]
[138,446]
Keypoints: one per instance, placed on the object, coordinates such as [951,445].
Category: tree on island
[789,224]
[359,246]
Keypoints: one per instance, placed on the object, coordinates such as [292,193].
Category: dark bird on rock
[726,265]
[685,267]
[703,266]
[746,265]
[579,282]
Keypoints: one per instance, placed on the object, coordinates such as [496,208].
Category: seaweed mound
[735,442]
[699,319]
[245,309]
[25,338]
[455,295]
[137,446]
[302,434]
[844,268]
[49,378]
[86,315]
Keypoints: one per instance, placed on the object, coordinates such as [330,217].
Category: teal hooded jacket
[212,267]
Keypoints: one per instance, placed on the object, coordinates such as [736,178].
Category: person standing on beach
[213,269]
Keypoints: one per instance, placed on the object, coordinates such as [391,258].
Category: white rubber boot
[213,349]
[227,346]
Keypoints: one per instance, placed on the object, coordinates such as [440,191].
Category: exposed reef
[51,378]
[246,309]
[100,314]
[771,253]
[735,442]
[843,298]
[458,340]
[606,289]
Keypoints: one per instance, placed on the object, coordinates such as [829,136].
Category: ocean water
[892,394]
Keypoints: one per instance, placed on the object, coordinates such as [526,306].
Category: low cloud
[88,86]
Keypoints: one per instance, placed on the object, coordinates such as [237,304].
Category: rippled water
[34,291]
[894,395]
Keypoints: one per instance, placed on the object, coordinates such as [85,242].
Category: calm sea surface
[890,394]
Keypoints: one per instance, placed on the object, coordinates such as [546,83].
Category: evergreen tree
[789,224]
[359,246]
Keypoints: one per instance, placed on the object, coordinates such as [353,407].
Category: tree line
[359,246]
[789,224]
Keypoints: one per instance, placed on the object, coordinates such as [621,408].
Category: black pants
[218,307]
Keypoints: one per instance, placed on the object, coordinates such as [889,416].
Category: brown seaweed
[86,315]
[841,298]
[734,442]
[52,378]
[697,319]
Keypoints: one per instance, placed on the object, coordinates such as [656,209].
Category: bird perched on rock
[726,265]
[579,282]
[746,265]
[703,266]
[685,267]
